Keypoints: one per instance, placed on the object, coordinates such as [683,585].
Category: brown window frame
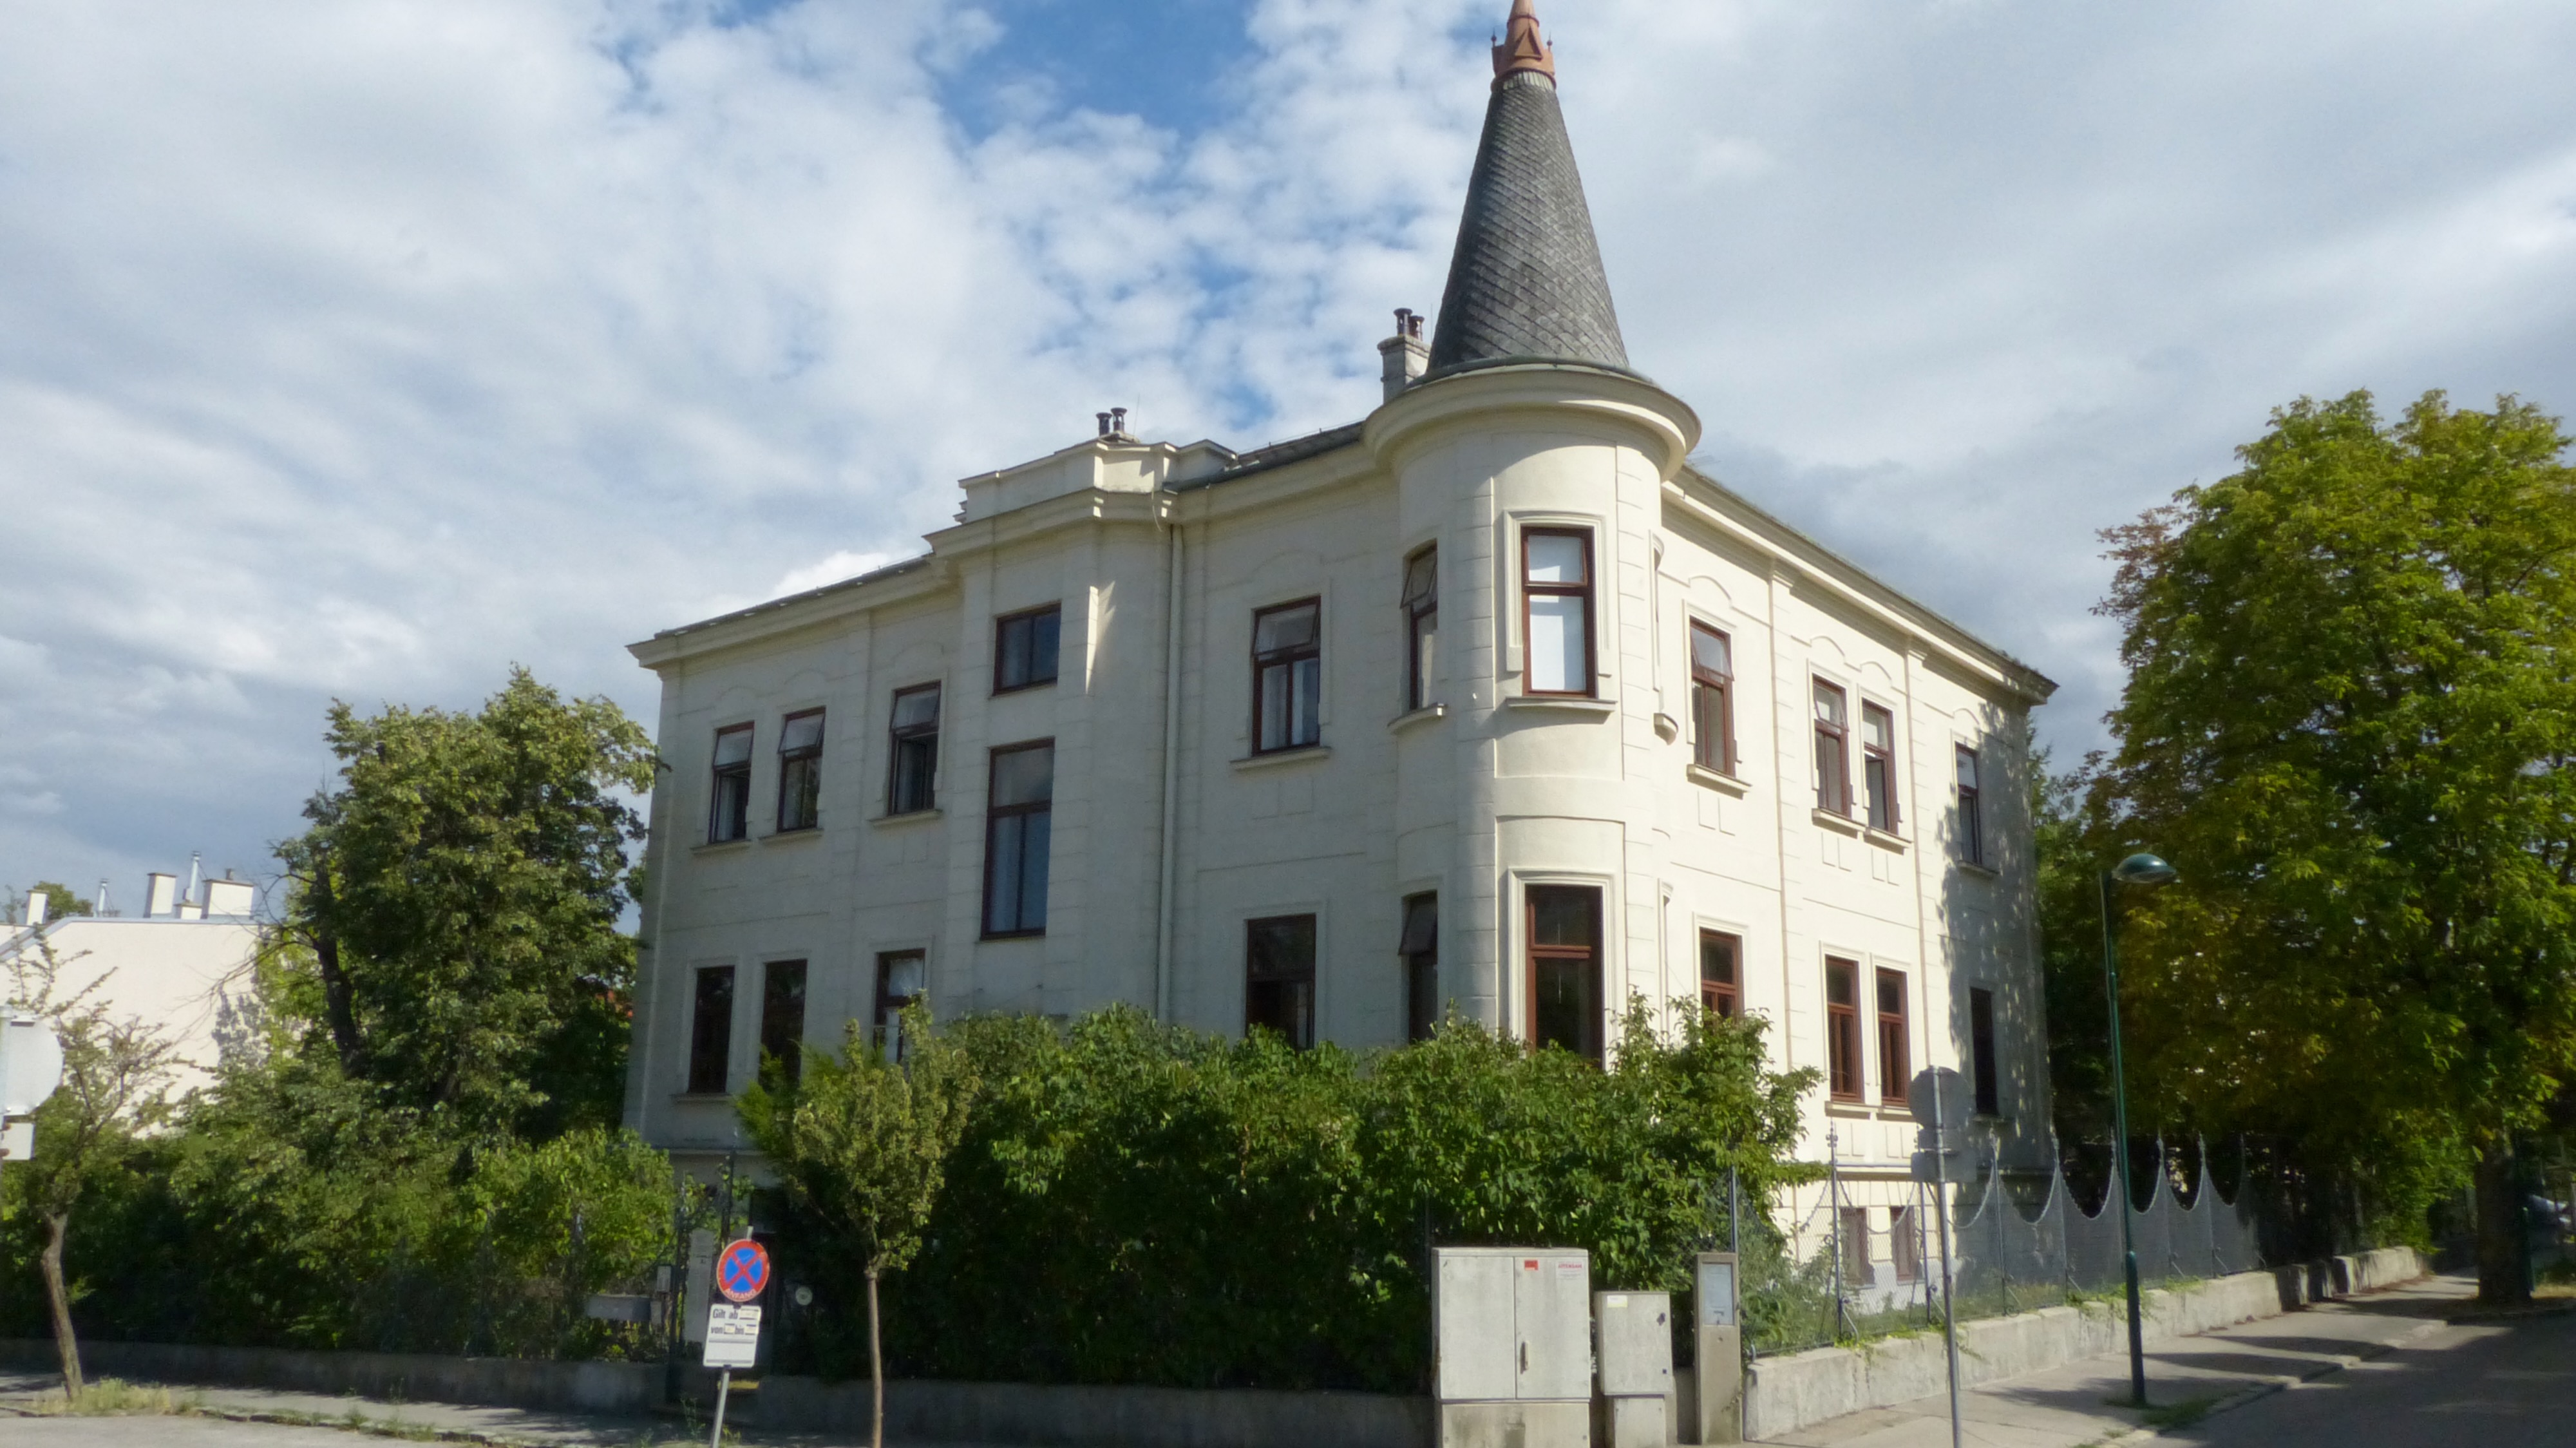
[1591,622]
[1588,1037]
[1297,977]
[1895,1037]
[729,810]
[1972,817]
[1981,1051]
[1002,627]
[1712,704]
[1833,741]
[1724,998]
[1421,628]
[886,1021]
[1854,1222]
[1288,658]
[800,774]
[1418,946]
[782,1019]
[711,1032]
[1905,1243]
[1843,1071]
[1878,771]
[913,741]
[994,815]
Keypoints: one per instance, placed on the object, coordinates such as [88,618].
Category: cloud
[361,351]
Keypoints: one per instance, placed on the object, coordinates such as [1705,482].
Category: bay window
[1556,610]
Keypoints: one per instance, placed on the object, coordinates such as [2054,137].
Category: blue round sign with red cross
[742,1273]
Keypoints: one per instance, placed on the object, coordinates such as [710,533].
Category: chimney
[1117,422]
[1104,423]
[99,907]
[1402,358]
[160,894]
[192,900]
[37,900]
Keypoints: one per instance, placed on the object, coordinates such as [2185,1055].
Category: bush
[1137,1203]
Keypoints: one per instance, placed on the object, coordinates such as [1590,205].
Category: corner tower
[1530,461]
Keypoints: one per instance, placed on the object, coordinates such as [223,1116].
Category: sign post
[1942,1108]
[733,1325]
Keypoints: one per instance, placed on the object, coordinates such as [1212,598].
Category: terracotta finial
[1521,48]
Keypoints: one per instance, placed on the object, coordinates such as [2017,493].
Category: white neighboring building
[1488,702]
[184,964]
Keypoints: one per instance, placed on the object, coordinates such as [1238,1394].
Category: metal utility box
[1633,1332]
[1512,1334]
[1717,1349]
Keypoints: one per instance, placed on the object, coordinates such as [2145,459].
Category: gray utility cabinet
[1512,1328]
[1635,1333]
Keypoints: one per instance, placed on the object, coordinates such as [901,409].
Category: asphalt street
[2458,1386]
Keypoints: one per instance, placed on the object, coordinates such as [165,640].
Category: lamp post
[2146,871]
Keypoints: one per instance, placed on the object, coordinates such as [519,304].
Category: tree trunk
[57,1226]
[876,1366]
[2500,1227]
[339,998]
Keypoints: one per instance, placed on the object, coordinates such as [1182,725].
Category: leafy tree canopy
[452,936]
[2349,721]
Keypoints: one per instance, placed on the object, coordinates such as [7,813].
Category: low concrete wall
[399,1377]
[1787,1393]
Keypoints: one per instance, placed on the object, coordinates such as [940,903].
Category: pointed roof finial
[1521,49]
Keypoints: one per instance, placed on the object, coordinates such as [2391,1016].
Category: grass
[2182,1414]
[112,1398]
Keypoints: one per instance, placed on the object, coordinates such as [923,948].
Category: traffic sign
[742,1273]
[733,1335]
[1939,1099]
[31,1064]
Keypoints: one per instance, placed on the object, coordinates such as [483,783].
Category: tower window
[1556,605]
[1422,629]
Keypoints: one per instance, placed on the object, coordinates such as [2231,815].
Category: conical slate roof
[1526,278]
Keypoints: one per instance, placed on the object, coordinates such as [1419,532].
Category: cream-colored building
[1489,702]
[183,965]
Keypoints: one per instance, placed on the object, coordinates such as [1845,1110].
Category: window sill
[1038,934]
[1869,1110]
[1284,756]
[1893,843]
[1024,688]
[1570,703]
[789,837]
[907,817]
[1411,717]
[702,1098]
[1982,872]
[718,847]
[1839,823]
[1718,780]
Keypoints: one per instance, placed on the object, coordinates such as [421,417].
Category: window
[1842,1028]
[912,776]
[800,771]
[903,976]
[782,1018]
[1878,765]
[1721,973]
[1422,629]
[1972,825]
[1895,1071]
[1712,699]
[711,1031]
[1279,977]
[729,814]
[1833,757]
[1556,610]
[1287,676]
[1981,1051]
[1854,1222]
[1024,648]
[1018,822]
[1905,1241]
[1565,968]
[1419,947]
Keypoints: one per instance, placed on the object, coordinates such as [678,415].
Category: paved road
[2454,1387]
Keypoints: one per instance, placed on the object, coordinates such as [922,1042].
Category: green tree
[451,936]
[861,1143]
[2350,720]
[116,1073]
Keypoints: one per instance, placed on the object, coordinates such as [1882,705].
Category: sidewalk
[2187,1378]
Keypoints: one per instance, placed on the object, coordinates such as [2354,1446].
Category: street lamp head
[2144,869]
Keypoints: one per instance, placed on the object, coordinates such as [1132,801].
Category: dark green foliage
[452,933]
[1138,1203]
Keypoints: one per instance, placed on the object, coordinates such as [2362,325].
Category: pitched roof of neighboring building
[1525,281]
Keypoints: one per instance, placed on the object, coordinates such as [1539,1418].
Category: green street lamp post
[2147,871]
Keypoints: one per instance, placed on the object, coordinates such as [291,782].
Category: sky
[358,349]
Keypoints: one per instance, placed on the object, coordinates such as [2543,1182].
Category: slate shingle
[1526,278]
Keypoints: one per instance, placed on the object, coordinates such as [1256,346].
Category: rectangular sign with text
[733,1334]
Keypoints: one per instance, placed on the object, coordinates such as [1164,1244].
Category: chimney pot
[1104,423]
[1402,358]
[1118,421]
